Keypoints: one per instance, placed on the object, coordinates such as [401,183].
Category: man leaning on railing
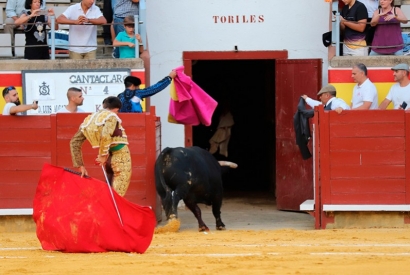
[353,23]
[82,39]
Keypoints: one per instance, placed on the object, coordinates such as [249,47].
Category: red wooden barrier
[360,162]
[28,142]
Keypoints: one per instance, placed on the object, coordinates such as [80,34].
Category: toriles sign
[238,19]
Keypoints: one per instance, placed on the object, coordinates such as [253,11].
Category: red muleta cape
[75,214]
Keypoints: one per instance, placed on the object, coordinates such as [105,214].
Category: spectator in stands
[122,9]
[108,13]
[132,96]
[400,91]
[364,92]
[75,99]
[371,6]
[13,105]
[327,96]
[15,8]
[82,39]
[387,37]
[126,39]
[353,24]
[35,29]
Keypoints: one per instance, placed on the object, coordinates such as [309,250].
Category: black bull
[193,175]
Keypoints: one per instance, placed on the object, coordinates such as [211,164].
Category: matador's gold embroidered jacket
[98,129]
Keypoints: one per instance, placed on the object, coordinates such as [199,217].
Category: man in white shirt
[364,92]
[400,91]
[75,99]
[328,98]
[13,105]
[82,38]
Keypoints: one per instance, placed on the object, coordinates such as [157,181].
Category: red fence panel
[362,159]
[30,141]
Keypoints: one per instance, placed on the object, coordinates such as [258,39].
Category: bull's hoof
[220,228]
[203,229]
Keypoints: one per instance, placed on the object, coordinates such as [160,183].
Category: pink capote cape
[189,104]
[74,214]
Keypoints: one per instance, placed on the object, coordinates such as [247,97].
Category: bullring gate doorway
[262,90]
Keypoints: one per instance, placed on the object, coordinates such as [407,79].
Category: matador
[104,131]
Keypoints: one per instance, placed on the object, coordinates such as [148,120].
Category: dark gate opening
[247,87]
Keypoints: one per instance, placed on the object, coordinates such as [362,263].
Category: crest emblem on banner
[43,90]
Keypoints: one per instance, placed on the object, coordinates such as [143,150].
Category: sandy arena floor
[229,252]
[256,242]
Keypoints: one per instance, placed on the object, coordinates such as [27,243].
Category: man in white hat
[327,96]
[399,93]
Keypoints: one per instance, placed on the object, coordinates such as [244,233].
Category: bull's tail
[162,189]
[228,163]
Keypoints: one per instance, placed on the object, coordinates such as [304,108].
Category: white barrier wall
[220,25]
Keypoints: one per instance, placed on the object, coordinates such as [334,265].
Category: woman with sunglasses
[36,21]
[13,105]
[126,39]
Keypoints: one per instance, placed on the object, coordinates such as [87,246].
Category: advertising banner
[49,88]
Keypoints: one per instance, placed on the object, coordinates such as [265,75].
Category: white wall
[188,25]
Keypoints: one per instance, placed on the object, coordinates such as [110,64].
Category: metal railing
[139,27]
[336,30]
[336,37]
[137,24]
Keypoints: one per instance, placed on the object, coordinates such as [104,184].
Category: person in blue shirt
[132,96]
[126,40]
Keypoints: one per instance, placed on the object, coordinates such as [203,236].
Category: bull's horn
[228,163]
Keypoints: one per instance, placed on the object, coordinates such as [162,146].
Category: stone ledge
[59,64]
[369,61]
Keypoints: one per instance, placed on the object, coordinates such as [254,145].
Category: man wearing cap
[327,96]
[132,96]
[400,91]
[364,92]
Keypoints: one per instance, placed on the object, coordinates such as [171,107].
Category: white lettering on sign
[238,19]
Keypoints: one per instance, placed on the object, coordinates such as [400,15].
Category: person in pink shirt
[387,38]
